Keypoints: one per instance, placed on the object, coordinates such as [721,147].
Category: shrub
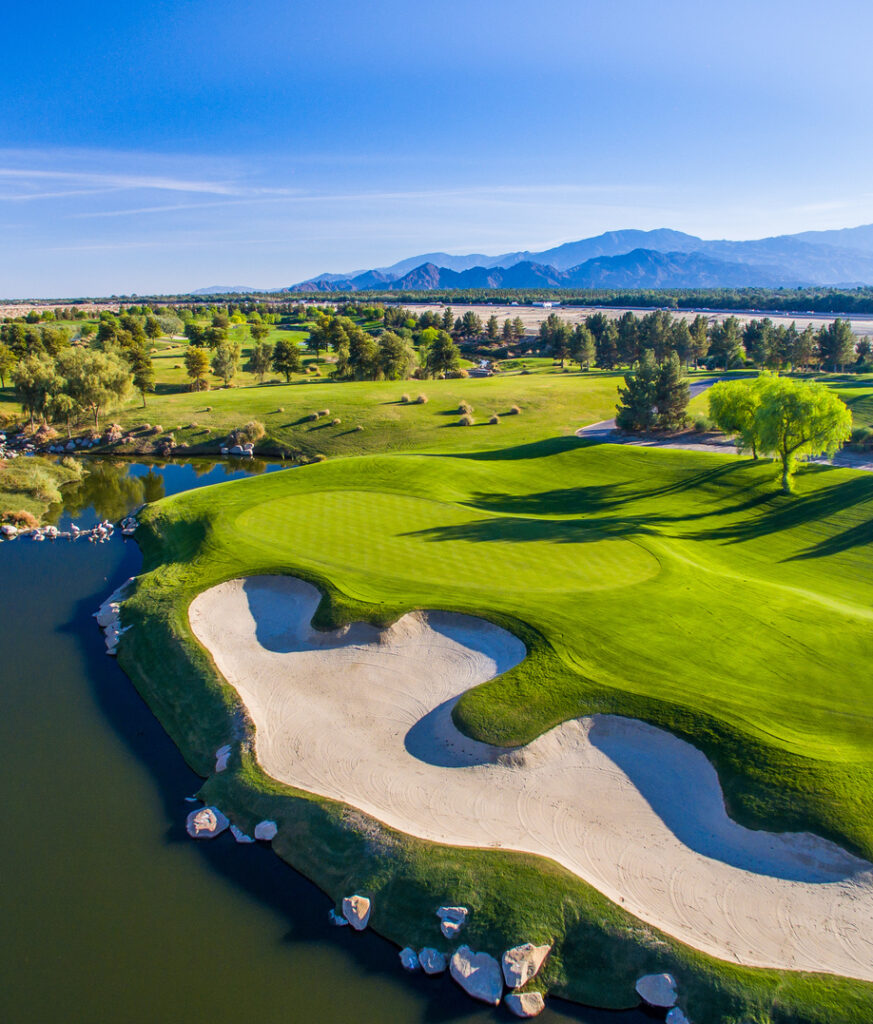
[465,407]
[311,418]
[324,412]
[281,408]
[457,374]
[157,429]
[862,436]
[22,519]
[494,419]
[250,432]
[514,410]
[702,424]
[404,399]
[73,465]
[177,366]
[466,420]
[319,457]
[359,427]
[192,426]
[421,400]
[208,408]
[335,422]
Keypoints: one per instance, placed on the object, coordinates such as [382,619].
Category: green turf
[678,587]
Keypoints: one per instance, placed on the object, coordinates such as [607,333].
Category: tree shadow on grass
[786,512]
[517,529]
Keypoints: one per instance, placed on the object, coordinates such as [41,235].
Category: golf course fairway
[676,588]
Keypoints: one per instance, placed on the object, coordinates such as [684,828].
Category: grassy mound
[676,587]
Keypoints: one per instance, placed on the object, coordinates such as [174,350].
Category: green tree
[143,373]
[396,357]
[671,394]
[799,419]
[636,408]
[225,360]
[733,408]
[286,358]
[7,361]
[443,355]
[492,328]
[96,381]
[448,319]
[35,381]
[836,344]
[153,328]
[471,325]
[197,366]
[606,346]
[584,351]
[699,338]
[518,331]
[725,343]
[260,358]
[259,330]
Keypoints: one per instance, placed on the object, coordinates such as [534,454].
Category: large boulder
[266,830]
[206,823]
[409,959]
[478,974]
[521,963]
[356,910]
[452,920]
[676,1016]
[222,756]
[239,835]
[432,961]
[525,1004]
[657,989]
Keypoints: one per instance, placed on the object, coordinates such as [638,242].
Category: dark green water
[108,912]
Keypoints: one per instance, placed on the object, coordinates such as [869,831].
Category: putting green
[677,587]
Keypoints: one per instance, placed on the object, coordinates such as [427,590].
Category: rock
[521,963]
[222,756]
[676,1016]
[337,919]
[266,830]
[239,835]
[409,959]
[432,961]
[206,823]
[657,989]
[356,910]
[452,920]
[525,1004]
[8,530]
[237,449]
[478,974]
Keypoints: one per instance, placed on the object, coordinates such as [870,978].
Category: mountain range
[662,258]
[633,259]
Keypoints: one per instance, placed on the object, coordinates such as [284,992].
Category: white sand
[364,717]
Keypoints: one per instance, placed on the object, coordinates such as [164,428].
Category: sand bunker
[364,716]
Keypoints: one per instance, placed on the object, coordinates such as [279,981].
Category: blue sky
[175,144]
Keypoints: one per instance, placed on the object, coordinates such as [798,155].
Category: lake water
[110,914]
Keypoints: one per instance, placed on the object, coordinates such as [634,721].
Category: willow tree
[800,419]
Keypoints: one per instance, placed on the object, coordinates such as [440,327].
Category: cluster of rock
[246,450]
[98,534]
[18,444]
[209,822]
[108,617]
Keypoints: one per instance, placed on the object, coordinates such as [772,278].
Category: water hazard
[110,913]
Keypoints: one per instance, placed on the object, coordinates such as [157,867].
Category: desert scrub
[702,424]
[466,420]
[494,419]
[514,410]
[465,408]
[250,432]
[404,399]
[74,466]
[335,422]
[324,412]
[421,400]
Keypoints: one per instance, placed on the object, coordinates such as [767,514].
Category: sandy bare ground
[363,717]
